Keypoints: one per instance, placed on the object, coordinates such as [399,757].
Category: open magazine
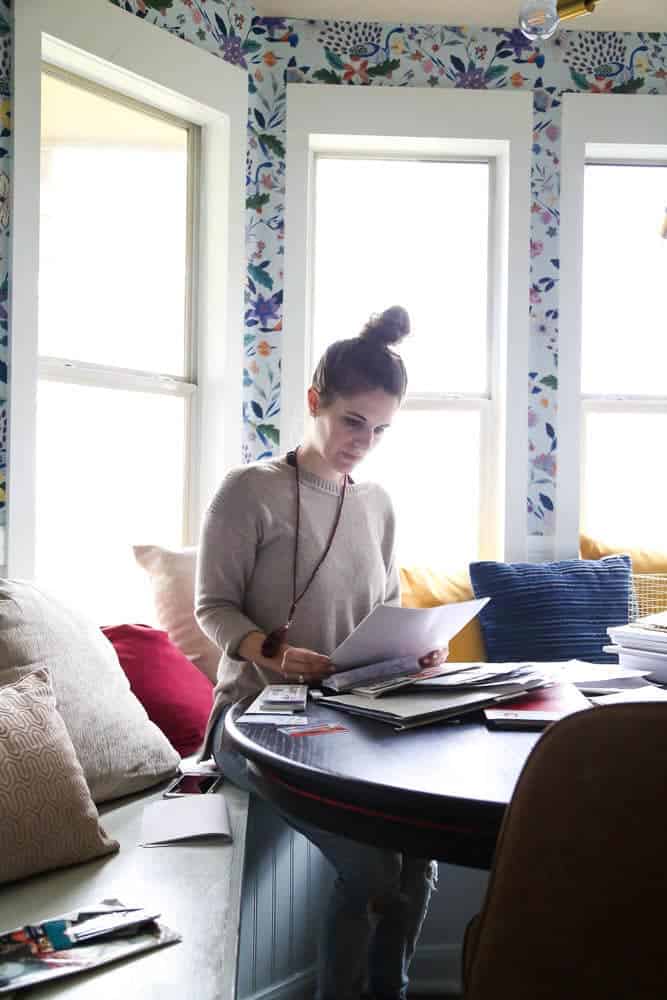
[77,941]
[376,679]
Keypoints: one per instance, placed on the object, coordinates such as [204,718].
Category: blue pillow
[552,611]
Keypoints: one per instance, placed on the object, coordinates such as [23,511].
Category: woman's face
[349,427]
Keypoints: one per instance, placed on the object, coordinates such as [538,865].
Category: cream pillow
[47,817]
[172,576]
[120,750]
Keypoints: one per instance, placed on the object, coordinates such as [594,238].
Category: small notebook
[538,709]
[188,818]
[279,698]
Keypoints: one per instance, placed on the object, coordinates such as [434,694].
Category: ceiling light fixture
[539,19]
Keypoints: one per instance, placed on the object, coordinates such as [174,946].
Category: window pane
[624,273]
[113,224]
[412,233]
[110,468]
[626,478]
[429,463]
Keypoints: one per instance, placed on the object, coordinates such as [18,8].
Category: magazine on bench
[78,941]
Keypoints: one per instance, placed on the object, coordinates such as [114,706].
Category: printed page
[389,632]
[185,818]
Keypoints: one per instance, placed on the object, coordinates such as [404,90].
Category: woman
[294,554]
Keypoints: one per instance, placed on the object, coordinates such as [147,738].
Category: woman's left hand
[435,658]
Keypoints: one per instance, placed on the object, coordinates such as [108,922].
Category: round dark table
[439,791]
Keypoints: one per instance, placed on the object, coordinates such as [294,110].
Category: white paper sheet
[580,672]
[272,719]
[646,693]
[185,818]
[390,631]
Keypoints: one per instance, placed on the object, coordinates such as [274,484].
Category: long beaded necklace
[274,639]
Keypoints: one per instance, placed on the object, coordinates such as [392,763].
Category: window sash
[491,291]
[193,153]
[80,372]
[490,527]
[66,372]
[618,405]
[631,129]
[411,121]
[84,373]
[210,93]
[490,523]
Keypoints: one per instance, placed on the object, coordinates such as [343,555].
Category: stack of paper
[384,675]
[417,707]
[502,677]
[643,645]
[274,703]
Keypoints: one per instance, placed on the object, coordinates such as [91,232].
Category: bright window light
[624,349]
[624,354]
[429,463]
[412,233]
[415,233]
[626,478]
[109,475]
[112,232]
[112,434]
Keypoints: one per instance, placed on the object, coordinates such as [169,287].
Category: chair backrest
[576,901]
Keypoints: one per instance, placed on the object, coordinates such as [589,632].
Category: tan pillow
[47,817]
[422,587]
[643,560]
[120,750]
[172,576]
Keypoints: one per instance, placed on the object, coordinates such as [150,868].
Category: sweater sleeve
[229,538]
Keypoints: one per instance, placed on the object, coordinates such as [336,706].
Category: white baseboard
[300,986]
[436,970]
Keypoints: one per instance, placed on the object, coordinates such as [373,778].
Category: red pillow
[176,695]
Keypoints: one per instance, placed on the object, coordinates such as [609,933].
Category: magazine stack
[642,645]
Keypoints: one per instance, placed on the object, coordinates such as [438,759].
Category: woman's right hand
[304,666]
[293,662]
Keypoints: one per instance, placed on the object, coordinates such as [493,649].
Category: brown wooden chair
[576,901]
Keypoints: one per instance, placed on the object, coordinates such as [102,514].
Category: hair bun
[387,328]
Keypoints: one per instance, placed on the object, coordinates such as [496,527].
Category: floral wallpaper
[364,53]
[277,50]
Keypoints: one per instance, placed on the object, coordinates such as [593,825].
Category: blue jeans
[376,909]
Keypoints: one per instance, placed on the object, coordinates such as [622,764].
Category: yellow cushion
[643,560]
[426,588]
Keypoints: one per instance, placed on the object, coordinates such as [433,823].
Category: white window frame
[622,129]
[442,124]
[77,371]
[107,46]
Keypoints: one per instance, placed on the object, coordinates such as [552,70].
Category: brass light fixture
[539,19]
[568,9]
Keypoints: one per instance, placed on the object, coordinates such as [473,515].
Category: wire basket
[648,595]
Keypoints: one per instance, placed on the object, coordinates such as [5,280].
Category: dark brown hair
[366,362]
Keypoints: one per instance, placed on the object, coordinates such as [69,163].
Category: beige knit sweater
[244,573]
